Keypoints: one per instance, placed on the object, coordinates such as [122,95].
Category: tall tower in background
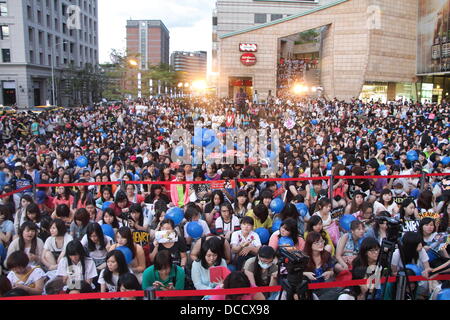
[150,40]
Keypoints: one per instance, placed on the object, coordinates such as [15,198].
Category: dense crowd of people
[109,238]
[291,71]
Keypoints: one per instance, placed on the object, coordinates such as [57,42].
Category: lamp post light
[134,63]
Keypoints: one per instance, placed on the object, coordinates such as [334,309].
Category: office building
[191,65]
[149,40]
[38,34]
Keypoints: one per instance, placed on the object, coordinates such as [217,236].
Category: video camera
[394,229]
[294,284]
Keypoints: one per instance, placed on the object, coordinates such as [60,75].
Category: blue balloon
[415,193]
[263,234]
[379,145]
[106,205]
[382,168]
[287,148]
[108,230]
[286,241]
[276,225]
[444,295]
[412,155]
[101,130]
[179,151]
[345,221]
[161,130]
[194,229]
[127,253]
[104,135]
[302,209]
[445,160]
[81,161]
[277,205]
[417,270]
[339,158]
[175,214]
[314,122]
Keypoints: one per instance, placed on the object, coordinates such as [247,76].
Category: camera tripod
[384,262]
[294,283]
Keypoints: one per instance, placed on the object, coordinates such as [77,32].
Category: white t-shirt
[238,238]
[35,276]
[75,271]
[396,261]
[50,244]
[204,225]
[227,227]
[98,255]
[109,287]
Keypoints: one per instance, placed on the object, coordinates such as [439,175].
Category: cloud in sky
[188,21]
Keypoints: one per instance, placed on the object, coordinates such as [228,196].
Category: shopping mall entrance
[235,83]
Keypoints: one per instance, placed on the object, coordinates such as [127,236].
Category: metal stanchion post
[331,186]
[422,181]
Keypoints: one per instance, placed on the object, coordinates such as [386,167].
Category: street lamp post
[134,63]
[53,71]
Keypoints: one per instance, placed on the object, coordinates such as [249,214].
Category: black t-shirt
[175,250]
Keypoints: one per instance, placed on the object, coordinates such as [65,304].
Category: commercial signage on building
[434,36]
[248,59]
[248,47]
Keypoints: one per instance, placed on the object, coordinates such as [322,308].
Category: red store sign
[248,47]
[248,59]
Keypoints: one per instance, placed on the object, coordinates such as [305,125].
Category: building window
[29,13]
[6,55]
[214,21]
[4,32]
[260,18]
[274,17]
[39,17]
[3,9]
[31,56]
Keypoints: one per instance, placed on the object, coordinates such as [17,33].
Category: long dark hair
[78,196]
[97,229]
[289,211]
[215,245]
[425,221]
[291,225]
[137,208]
[75,248]
[410,242]
[313,221]
[325,256]
[33,208]
[443,225]
[261,212]
[122,266]
[110,211]
[406,203]
[366,245]
[32,226]
[126,233]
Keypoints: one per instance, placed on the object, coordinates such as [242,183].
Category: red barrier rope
[46,185]
[16,191]
[215,292]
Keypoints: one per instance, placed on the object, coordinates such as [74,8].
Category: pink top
[69,202]
[273,242]
[250,296]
